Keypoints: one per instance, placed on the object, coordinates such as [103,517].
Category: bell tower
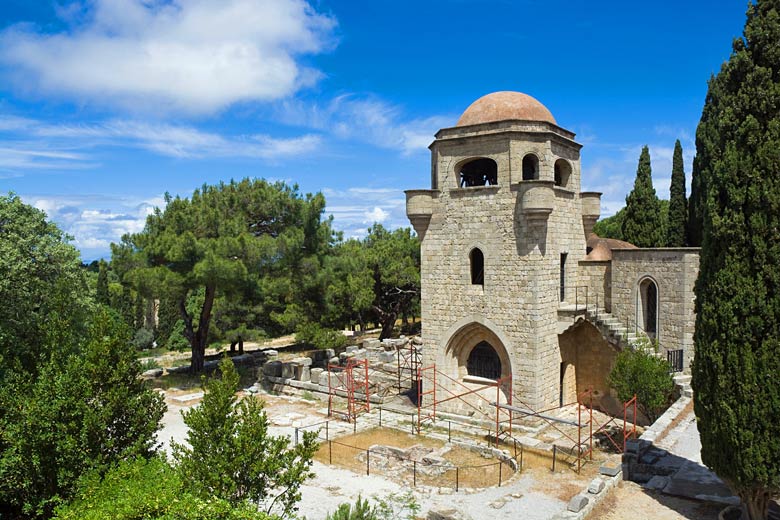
[502,229]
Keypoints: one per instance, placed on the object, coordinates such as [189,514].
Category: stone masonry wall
[674,271]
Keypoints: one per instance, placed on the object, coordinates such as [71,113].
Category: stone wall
[516,308]
[595,284]
[674,271]
[592,358]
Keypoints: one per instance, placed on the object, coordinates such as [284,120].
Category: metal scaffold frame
[408,361]
[353,382]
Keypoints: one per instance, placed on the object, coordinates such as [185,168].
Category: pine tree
[102,284]
[642,221]
[737,337]
[678,205]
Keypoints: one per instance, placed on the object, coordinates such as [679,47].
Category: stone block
[596,486]
[333,361]
[633,445]
[273,369]
[303,361]
[315,374]
[330,353]
[577,503]
[610,468]
[302,373]
[154,372]
[387,357]
[371,343]
[351,349]
[288,370]
[271,353]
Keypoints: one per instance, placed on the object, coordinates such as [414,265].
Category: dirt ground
[631,501]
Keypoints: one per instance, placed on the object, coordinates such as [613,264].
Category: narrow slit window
[477,260]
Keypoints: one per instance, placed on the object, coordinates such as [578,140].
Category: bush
[394,507]
[148,489]
[312,334]
[176,340]
[143,339]
[231,455]
[639,372]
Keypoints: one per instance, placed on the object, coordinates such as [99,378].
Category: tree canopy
[642,225]
[737,336]
[251,243]
[677,220]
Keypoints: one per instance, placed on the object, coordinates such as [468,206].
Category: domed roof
[601,248]
[501,106]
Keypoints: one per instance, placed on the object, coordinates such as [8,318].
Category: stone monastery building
[515,287]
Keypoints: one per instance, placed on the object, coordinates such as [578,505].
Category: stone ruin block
[273,369]
[330,353]
[387,357]
[288,370]
[271,353]
[315,374]
[577,503]
[371,343]
[302,373]
[596,486]
[352,349]
[303,361]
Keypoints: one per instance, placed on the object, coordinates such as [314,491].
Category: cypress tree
[642,221]
[678,205]
[737,336]
[167,316]
[102,295]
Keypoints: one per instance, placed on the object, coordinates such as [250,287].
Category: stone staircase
[613,329]
[683,384]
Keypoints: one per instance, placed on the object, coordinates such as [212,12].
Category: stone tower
[502,228]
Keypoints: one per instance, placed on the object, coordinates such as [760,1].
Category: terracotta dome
[601,248]
[502,106]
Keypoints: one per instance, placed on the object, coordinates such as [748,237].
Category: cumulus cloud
[357,208]
[367,119]
[195,56]
[94,221]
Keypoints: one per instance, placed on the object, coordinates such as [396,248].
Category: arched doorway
[648,307]
[483,361]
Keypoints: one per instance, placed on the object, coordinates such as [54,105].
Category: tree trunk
[198,338]
[240,345]
[755,503]
[232,346]
[388,322]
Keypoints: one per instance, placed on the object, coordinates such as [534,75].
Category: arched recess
[647,306]
[530,167]
[586,361]
[477,266]
[562,172]
[473,335]
[478,172]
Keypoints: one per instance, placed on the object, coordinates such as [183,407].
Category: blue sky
[107,104]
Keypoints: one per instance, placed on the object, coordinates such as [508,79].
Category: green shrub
[149,364]
[143,339]
[313,334]
[639,372]
[148,489]
[176,339]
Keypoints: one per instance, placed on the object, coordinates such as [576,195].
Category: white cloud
[54,147]
[355,209]
[95,221]
[366,119]
[195,56]
[377,215]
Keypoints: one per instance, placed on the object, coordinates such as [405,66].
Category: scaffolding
[408,362]
[435,388]
[352,381]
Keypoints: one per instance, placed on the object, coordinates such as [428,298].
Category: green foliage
[230,454]
[149,364]
[102,294]
[43,289]
[143,339]
[255,245]
[737,336]
[678,204]
[176,340]
[151,490]
[639,372]
[611,227]
[84,412]
[361,510]
[167,316]
[642,224]
[395,506]
[393,257]
[319,337]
